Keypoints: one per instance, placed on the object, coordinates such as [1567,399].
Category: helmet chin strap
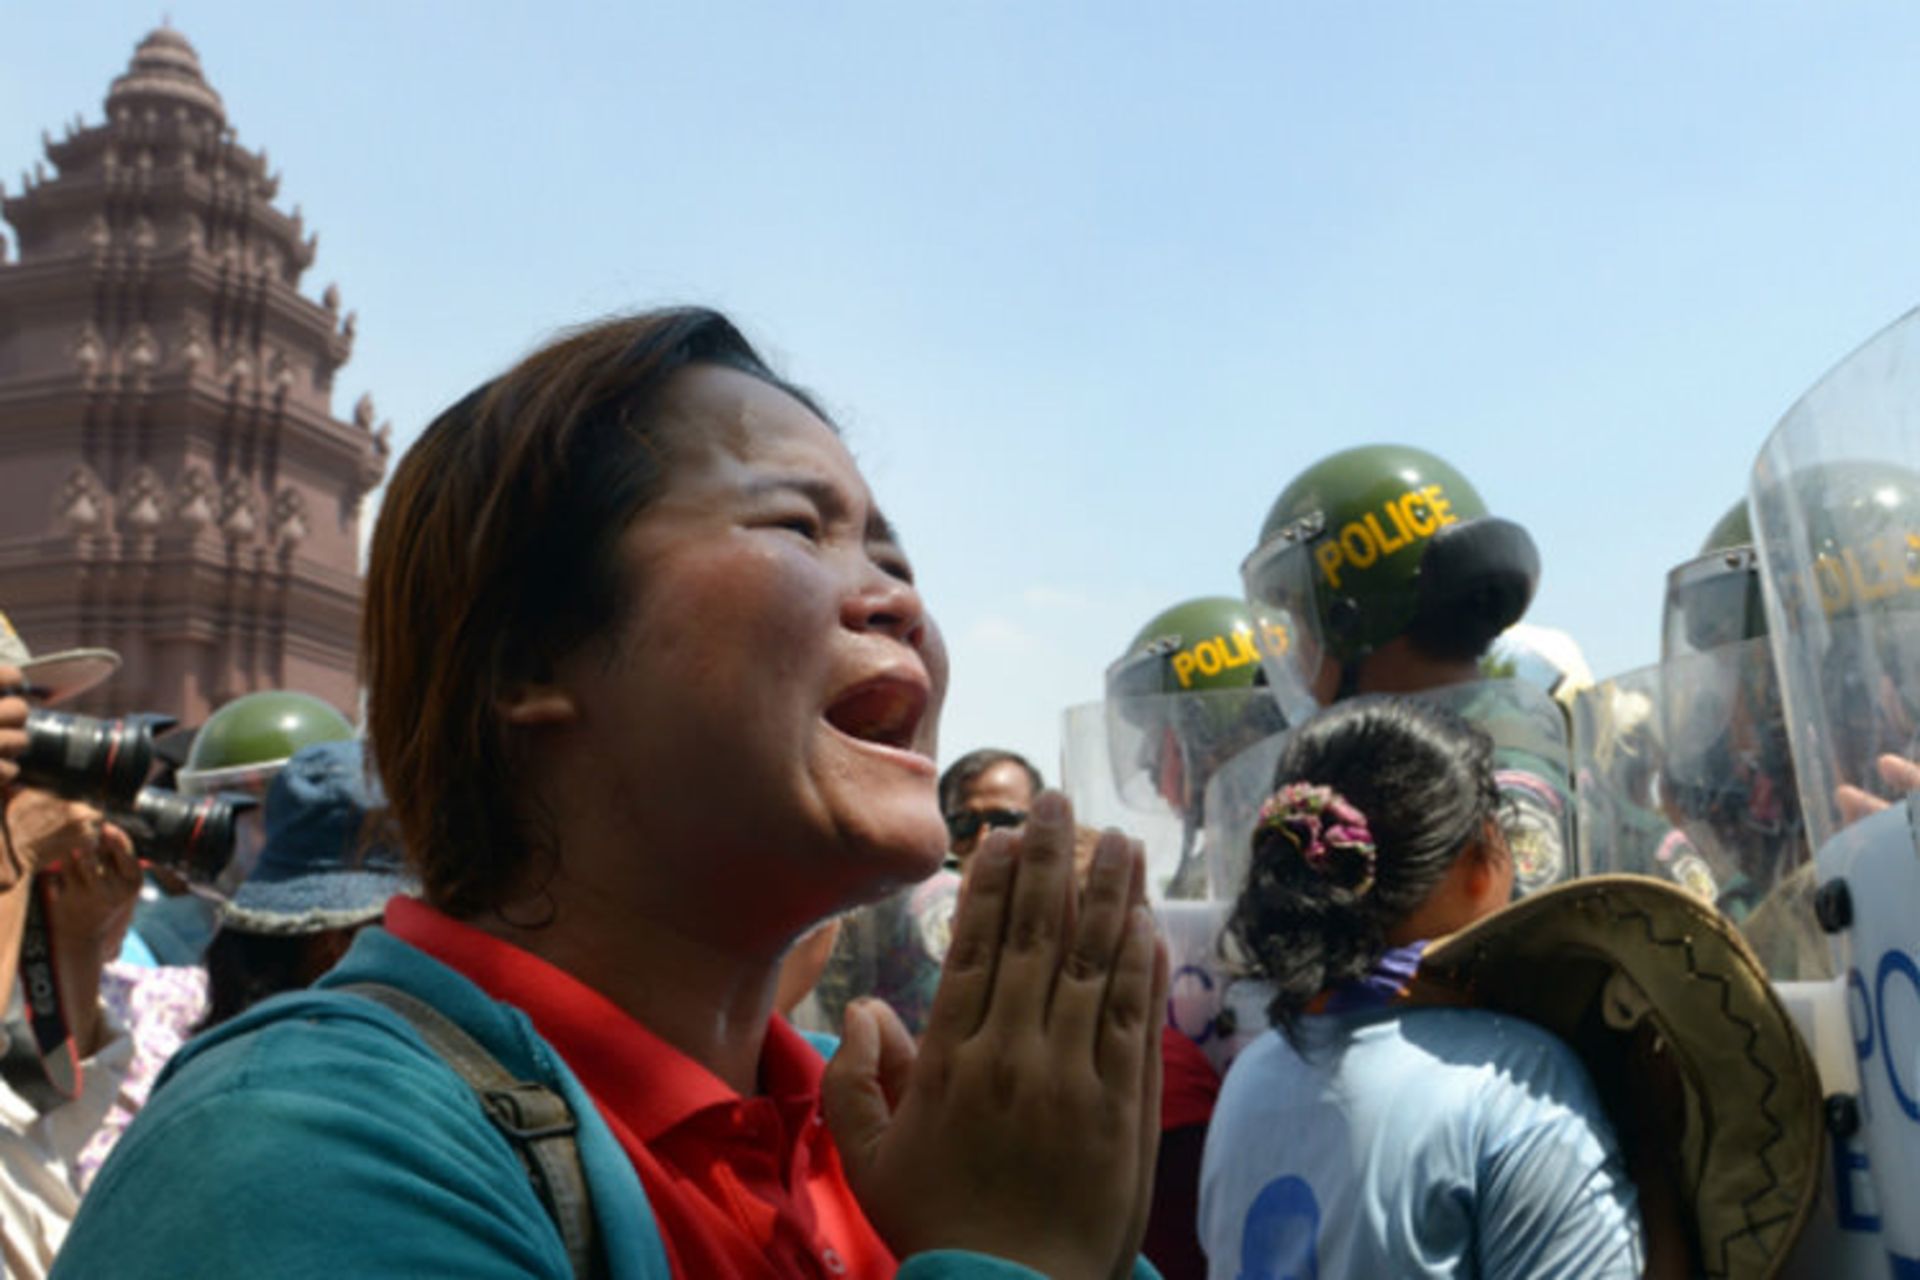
[1189,877]
[1349,680]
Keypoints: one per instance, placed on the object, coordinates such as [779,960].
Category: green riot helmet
[1189,692]
[1378,542]
[243,744]
[1201,645]
[1714,599]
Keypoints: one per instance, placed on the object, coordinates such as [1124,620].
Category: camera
[103,763]
[192,834]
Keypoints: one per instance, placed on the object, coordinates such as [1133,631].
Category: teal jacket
[318,1136]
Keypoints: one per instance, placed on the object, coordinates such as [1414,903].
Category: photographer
[65,862]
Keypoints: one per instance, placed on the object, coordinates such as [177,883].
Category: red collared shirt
[739,1186]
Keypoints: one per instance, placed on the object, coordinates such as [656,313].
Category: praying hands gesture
[1026,1122]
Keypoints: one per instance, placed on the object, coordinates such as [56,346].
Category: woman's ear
[1493,843]
[1490,877]
[528,704]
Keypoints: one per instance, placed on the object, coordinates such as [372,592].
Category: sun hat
[63,675]
[316,871]
[1667,1005]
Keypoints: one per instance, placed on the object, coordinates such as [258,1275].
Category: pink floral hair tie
[1331,835]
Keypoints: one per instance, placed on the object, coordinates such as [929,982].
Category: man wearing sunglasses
[982,790]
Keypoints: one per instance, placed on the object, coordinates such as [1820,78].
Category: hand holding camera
[105,763]
[13,722]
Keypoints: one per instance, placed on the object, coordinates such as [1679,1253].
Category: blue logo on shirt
[1280,1238]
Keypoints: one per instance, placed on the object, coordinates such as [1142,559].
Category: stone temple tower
[173,483]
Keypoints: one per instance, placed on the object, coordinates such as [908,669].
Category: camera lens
[192,834]
[99,762]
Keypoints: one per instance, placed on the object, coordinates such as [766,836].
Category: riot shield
[1533,769]
[891,950]
[1835,501]
[1140,763]
[1682,773]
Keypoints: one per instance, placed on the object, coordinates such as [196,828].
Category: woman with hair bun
[1366,1136]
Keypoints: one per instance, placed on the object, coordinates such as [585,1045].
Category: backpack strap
[535,1120]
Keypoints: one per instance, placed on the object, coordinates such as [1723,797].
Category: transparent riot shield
[1141,764]
[1533,768]
[1682,773]
[1836,505]
[891,950]
[1835,501]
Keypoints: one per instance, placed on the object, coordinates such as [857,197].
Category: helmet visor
[1105,794]
[252,779]
[1713,601]
[1141,764]
[1280,587]
[1164,746]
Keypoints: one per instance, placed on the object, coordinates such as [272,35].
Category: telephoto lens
[98,762]
[192,834]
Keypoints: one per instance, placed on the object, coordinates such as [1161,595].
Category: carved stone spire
[158,358]
[165,72]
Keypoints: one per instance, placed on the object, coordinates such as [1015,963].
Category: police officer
[1188,693]
[1727,772]
[1388,574]
[1384,572]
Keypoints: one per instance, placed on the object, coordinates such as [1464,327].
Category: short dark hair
[245,968]
[966,771]
[1423,777]
[496,555]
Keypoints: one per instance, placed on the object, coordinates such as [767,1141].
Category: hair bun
[1330,834]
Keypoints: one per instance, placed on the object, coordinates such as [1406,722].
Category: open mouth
[885,711]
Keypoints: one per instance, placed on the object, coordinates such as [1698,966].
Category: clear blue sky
[1088,283]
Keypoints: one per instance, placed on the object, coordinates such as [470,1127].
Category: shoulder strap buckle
[534,1119]
[528,1112]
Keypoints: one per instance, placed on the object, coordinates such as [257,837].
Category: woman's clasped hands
[1025,1123]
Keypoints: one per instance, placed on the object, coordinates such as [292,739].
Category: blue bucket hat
[315,872]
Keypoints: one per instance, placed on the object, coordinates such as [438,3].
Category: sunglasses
[966,824]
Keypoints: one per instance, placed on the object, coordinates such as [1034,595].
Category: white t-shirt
[38,1199]
[1415,1142]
